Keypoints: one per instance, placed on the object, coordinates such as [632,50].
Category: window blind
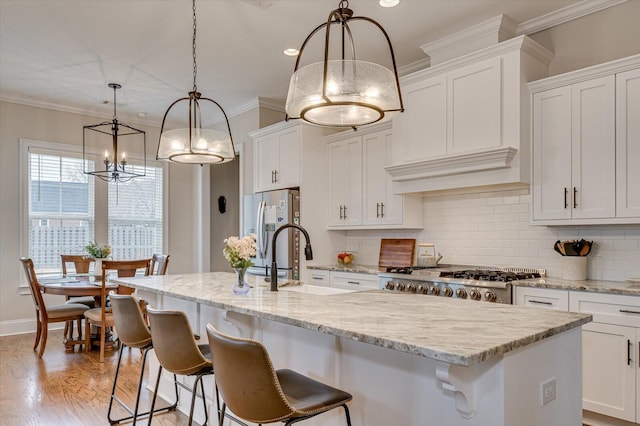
[135,216]
[60,208]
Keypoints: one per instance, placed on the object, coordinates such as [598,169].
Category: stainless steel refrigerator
[263,213]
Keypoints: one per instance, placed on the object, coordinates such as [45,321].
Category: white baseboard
[23,326]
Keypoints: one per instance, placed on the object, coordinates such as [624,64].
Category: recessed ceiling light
[388,3]
[142,114]
[291,52]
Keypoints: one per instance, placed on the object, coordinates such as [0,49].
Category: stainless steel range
[487,284]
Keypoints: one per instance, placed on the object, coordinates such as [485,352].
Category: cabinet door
[380,205]
[345,182]
[552,154]
[425,119]
[542,298]
[593,149]
[474,105]
[628,144]
[288,166]
[608,377]
[266,162]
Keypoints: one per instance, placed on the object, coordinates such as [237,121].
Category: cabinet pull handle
[565,198]
[345,212]
[353,282]
[382,210]
[275,174]
[628,352]
[377,209]
[540,302]
[575,198]
[316,277]
[340,212]
[627,311]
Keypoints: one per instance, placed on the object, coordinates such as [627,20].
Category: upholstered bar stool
[133,333]
[243,367]
[178,353]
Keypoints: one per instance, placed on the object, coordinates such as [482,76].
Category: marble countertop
[451,330]
[596,286]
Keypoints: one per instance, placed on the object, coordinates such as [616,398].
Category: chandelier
[343,92]
[196,144]
[116,168]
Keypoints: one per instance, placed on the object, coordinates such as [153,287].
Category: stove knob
[411,287]
[423,289]
[475,295]
[490,296]
[389,285]
[448,291]
[400,286]
[461,293]
[435,290]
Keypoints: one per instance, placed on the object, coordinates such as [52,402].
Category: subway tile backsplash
[492,228]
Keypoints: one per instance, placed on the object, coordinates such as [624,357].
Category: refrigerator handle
[262,246]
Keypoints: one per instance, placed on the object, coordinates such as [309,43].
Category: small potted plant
[239,251]
[98,253]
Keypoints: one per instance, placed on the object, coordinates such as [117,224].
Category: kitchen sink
[316,289]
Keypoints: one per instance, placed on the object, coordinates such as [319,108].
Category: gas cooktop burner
[404,270]
[489,275]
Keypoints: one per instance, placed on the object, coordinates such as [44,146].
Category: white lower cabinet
[610,350]
[611,354]
[542,298]
[345,280]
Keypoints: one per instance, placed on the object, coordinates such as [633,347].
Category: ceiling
[63,53]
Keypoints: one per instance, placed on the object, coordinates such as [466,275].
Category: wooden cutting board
[396,252]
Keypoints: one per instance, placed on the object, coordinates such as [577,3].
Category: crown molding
[566,14]
[418,65]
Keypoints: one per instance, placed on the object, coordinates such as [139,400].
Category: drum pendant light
[343,92]
[116,168]
[196,144]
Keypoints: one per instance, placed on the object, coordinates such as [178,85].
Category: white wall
[21,121]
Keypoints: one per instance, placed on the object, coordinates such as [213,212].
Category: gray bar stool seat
[243,367]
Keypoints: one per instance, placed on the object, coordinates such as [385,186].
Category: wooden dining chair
[159,264]
[81,265]
[46,315]
[102,317]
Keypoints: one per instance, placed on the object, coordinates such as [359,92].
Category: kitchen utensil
[396,252]
[427,255]
[585,247]
[569,248]
[558,247]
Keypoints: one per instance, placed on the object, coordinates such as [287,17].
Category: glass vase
[240,286]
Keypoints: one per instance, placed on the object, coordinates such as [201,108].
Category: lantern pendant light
[115,165]
[195,144]
[343,92]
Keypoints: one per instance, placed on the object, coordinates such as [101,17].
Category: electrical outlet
[548,391]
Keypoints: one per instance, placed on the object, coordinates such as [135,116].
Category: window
[64,209]
[135,216]
[61,208]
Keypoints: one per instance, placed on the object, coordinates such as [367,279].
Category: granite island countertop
[449,330]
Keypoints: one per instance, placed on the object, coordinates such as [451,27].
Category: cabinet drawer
[543,298]
[607,308]
[354,280]
[320,277]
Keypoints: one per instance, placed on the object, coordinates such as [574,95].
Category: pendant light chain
[193,45]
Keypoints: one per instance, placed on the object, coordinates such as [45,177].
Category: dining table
[75,285]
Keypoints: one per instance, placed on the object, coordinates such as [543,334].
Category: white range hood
[466,122]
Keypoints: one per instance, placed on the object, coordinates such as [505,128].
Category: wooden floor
[66,388]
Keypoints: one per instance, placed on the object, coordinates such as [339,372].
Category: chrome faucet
[308,253]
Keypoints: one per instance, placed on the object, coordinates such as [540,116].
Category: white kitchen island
[407,360]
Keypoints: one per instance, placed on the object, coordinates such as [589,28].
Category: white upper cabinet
[345,182]
[277,157]
[360,193]
[466,122]
[628,143]
[582,166]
